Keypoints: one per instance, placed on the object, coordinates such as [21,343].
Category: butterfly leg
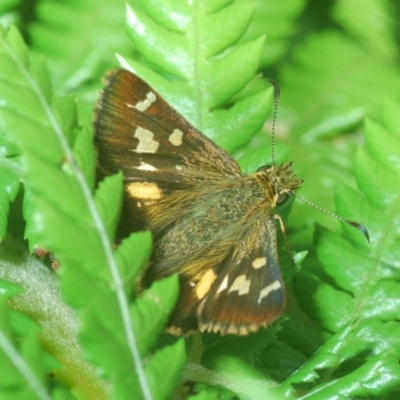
[284,233]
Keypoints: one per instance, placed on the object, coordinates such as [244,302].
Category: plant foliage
[79,332]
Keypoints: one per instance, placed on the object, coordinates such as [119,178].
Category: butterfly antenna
[356,225]
[277,92]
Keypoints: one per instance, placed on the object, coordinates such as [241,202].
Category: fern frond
[65,218]
[204,78]
[374,26]
[277,21]
[74,61]
[357,300]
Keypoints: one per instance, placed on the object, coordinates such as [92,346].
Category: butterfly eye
[282,198]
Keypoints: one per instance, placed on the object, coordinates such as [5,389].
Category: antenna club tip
[364,230]
[361,228]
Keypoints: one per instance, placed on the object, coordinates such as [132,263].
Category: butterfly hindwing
[241,294]
[248,292]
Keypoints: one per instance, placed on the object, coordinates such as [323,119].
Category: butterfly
[211,224]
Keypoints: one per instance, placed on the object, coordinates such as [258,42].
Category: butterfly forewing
[157,150]
[137,132]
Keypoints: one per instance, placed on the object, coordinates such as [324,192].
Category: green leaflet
[380,40]
[67,23]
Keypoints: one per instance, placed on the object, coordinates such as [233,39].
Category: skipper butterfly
[212,224]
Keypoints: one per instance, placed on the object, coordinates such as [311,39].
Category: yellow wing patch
[144,191]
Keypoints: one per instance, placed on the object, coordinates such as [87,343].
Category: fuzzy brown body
[222,210]
[211,224]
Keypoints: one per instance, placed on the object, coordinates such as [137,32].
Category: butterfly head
[282,180]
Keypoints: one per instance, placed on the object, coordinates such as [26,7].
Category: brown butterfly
[211,224]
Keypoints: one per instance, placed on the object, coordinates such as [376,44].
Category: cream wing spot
[144,104]
[204,284]
[146,143]
[241,285]
[146,167]
[176,137]
[223,285]
[151,97]
[276,285]
[259,262]
[144,191]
